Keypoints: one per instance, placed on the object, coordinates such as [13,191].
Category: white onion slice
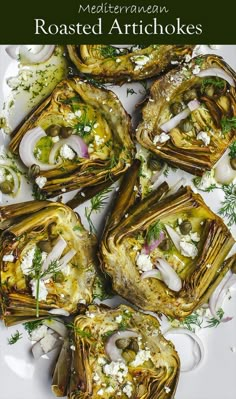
[14,176]
[169,275]
[220,73]
[193,105]
[75,142]
[174,236]
[31,54]
[55,253]
[173,122]
[67,257]
[224,173]
[220,293]
[57,326]
[198,348]
[59,312]
[111,349]
[151,274]
[173,189]
[27,145]
[38,351]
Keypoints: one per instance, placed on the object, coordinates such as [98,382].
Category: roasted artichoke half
[189,120]
[78,137]
[120,353]
[48,262]
[113,64]
[166,253]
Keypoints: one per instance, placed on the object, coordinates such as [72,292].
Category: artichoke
[48,262]
[189,120]
[165,253]
[120,353]
[119,65]
[78,137]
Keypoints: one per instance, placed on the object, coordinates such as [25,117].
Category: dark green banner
[117,21]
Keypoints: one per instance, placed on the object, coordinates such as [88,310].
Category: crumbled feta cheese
[70,115]
[101,361]
[96,377]
[204,137]
[195,237]
[144,262]
[55,139]
[167,389]
[91,315]
[118,370]
[140,61]
[118,319]
[100,392]
[27,261]
[87,128]
[98,140]
[47,343]
[110,389]
[135,188]
[188,58]
[187,249]
[66,152]
[118,60]
[39,333]
[141,357]
[128,390]
[174,62]
[208,266]
[42,290]
[63,190]
[41,181]
[162,138]
[2,175]
[8,258]
[78,113]
[196,69]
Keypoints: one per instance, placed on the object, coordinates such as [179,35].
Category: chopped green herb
[228,205]
[14,338]
[78,228]
[37,193]
[192,321]
[107,335]
[214,322]
[198,61]
[130,91]
[228,124]
[123,325]
[108,52]
[232,150]
[81,333]
[97,204]
[84,126]
[154,231]
[32,325]
[216,82]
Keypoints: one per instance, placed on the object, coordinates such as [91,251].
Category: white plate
[24,378]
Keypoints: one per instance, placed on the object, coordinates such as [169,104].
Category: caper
[66,132]
[176,108]
[133,346]
[165,245]
[186,125]
[185,227]
[123,343]
[53,130]
[45,246]
[190,95]
[128,355]
[34,170]
[233,163]
[6,187]
[154,163]
[209,90]
[59,277]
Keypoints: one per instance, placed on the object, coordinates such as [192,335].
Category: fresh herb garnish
[214,322]
[192,321]
[78,228]
[130,91]
[198,61]
[107,334]
[232,150]
[197,183]
[81,333]
[14,338]
[228,208]
[84,126]
[216,82]
[126,316]
[108,52]
[154,231]
[30,326]
[97,204]
[228,124]
[37,193]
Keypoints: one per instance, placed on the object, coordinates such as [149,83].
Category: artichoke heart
[78,137]
[188,120]
[165,253]
[48,261]
[148,366]
[109,63]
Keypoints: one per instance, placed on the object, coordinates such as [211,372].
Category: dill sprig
[228,205]
[78,331]
[228,124]
[14,338]
[84,123]
[216,82]
[154,231]
[30,326]
[215,321]
[192,321]
[98,202]
[232,150]
[108,52]
[130,91]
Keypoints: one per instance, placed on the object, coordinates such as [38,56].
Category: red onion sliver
[220,73]
[111,349]
[147,248]
[199,355]
[75,142]
[173,122]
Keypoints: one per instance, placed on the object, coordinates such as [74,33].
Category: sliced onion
[27,145]
[173,122]
[59,312]
[14,176]
[220,293]
[31,54]
[173,189]
[57,326]
[111,349]
[75,142]
[154,273]
[174,236]
[38,351]
[220,73]
[224,173]
[67,257]
[193,105]
[169,275]
[198,354]
[55,253]
[153,245]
